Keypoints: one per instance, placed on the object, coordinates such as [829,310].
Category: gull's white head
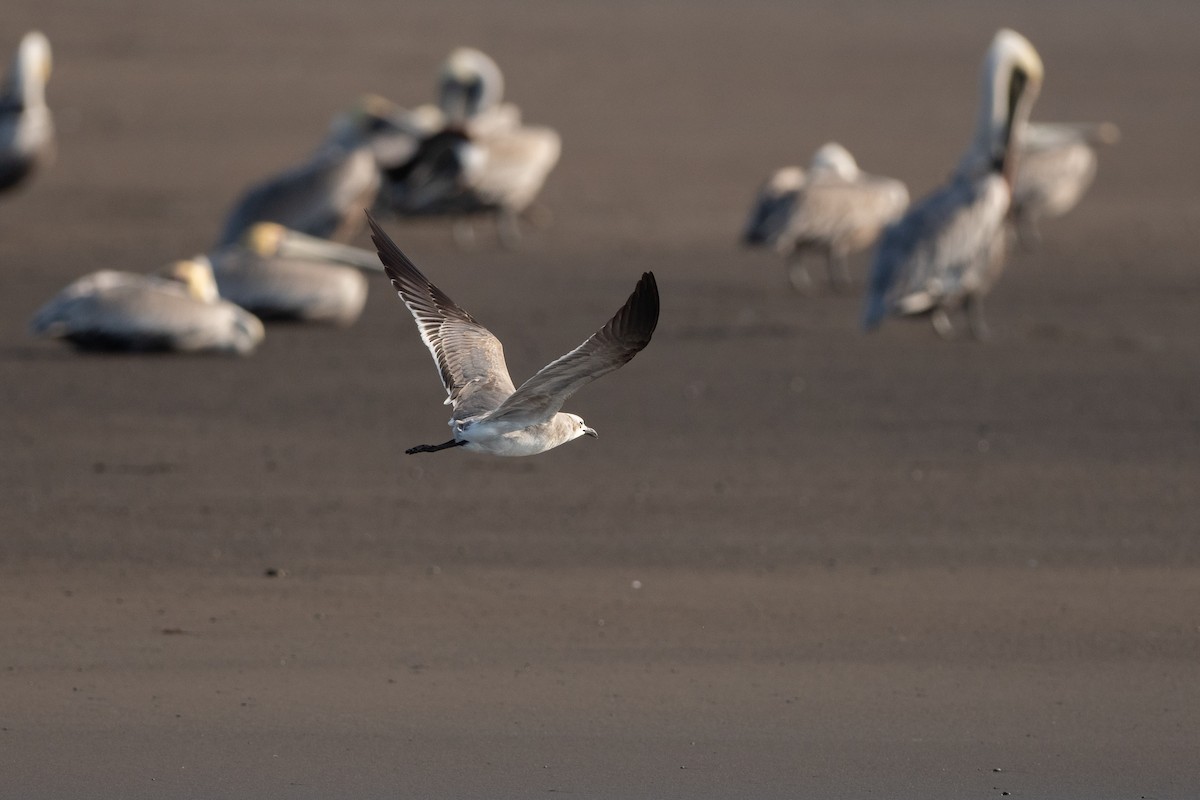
[1009,84]
[31,68]
[197,275]
[469,82]
[579,427]
[834,159]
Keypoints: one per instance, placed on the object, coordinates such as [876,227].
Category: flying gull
[491,415]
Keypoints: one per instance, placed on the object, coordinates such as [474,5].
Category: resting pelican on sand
[323,197]
[1056,166]
[26,126]
[840,211]
[281,274]
[484,160]
[491,415]
[948,250]
[177,311]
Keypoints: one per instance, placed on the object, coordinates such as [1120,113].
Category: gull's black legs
[433,448]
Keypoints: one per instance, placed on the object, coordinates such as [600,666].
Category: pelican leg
[798,275]
[1029,234]
[464,233]
[973,306]
[942,324]
[433,448]
[839,271]
[539,216]
[508,228]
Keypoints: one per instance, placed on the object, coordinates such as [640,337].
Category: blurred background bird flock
[469,157]
[898,489]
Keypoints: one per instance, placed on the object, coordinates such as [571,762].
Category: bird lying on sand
[178,310]
[491,415]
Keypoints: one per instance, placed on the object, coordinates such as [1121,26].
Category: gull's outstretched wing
[543,395]
[469,358]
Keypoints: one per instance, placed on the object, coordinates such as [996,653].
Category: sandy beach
[800,561]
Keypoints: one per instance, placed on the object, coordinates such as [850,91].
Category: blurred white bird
[948,250]
[1057,164]
[483,159]
[839,211]
[26,125]
[178,310]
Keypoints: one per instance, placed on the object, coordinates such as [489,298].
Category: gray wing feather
[623,337]
[470,360]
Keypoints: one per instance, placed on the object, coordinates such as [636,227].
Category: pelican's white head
[197,275]
[579,427]
[834,159]
[30,69]
[469,82]
[1009,83]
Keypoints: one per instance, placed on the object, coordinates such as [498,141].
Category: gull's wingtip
[378,236]
[642,308]
[390,255]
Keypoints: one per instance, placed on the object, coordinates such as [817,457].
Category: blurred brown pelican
[1056,166]
[26,126]
[325,196]
[841,210]
[948,250]
[483,160]
[178,310]
[281,274]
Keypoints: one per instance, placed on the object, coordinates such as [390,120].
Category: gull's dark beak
[591,432]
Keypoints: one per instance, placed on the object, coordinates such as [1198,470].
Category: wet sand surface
[799,561]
